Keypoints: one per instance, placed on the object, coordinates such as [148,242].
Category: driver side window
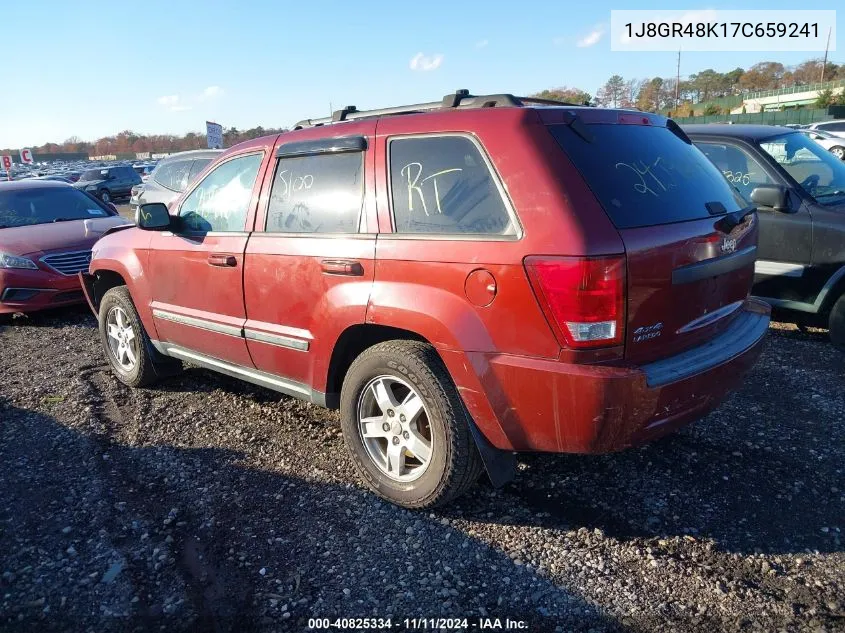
[220,202]
[740,169]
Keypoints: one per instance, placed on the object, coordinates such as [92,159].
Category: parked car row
[467,278]
[799,191]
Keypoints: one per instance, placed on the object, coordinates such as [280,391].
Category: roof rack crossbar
[459,99]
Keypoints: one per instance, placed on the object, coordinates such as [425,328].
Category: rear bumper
[32,290]
[545,405]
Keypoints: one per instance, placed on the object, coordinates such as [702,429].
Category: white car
[832,143]
[835,127]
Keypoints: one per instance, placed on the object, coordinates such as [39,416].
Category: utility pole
[678,82]
[824,63]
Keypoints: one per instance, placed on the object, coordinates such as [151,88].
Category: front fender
[120,253]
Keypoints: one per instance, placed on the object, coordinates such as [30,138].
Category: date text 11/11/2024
[417,624]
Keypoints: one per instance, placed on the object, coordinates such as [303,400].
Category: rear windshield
[94,174]
[645,175]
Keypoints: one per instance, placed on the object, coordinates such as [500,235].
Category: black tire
[836,323]
[149,364]
[838,151]
[454,465]
[105,196]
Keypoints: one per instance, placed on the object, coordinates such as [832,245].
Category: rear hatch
[690,258]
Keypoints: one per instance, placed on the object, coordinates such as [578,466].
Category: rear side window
[644,175]
[173,175]
[322,193]
[738,166]
[443,185]
[196,167]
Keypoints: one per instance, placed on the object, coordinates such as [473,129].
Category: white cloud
[211,92]
[592,38]
[425,63]
[174,103]
[481,43]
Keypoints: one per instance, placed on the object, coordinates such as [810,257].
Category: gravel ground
[207,504]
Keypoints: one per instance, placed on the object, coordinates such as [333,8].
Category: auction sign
[214,135]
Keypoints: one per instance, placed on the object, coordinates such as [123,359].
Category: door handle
[348,267]
[216,259]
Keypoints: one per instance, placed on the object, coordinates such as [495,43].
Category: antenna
[824,63]
[678,81]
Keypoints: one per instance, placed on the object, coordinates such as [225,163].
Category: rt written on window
[442,185]
[220,202]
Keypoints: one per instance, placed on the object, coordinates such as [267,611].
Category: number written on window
[323,193]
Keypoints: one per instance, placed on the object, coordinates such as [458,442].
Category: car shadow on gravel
[739,501]
[761,474]
[76,315]
[98,535]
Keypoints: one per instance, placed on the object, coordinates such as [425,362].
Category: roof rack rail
[459,99]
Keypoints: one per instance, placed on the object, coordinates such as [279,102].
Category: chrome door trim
[276,339]
[203,324]
[260,378]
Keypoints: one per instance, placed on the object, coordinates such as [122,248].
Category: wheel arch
[834,289]
[99,283]
[500,464]
[350,344]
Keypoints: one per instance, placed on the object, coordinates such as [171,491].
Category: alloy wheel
[394,426]
[123,344]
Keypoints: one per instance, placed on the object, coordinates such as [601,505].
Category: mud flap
[500,465]
[86,280]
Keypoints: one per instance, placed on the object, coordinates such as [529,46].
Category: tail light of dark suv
[583,298]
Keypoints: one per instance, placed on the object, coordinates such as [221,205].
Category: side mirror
[775,197]
[153,217]
[112,206]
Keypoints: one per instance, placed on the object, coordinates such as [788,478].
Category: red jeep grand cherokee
[464,279]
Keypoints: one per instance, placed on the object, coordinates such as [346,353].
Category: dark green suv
[109,183]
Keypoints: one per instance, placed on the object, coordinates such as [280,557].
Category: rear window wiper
[732,220]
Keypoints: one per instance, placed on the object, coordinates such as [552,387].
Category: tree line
[132,142]
[662,93]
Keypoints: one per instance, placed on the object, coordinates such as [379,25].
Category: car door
[309,264]
[120,183]
[197,269]
[786,239]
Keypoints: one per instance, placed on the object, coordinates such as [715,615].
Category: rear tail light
[583,298]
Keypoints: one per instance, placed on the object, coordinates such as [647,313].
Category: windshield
[816,170]
[94,174]
[645,175]
[26,207]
